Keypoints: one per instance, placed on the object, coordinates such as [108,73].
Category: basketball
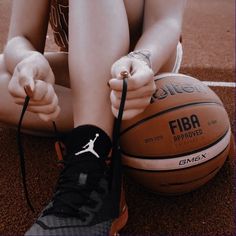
[180,141]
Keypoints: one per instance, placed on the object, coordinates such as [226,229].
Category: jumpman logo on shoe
[89,147]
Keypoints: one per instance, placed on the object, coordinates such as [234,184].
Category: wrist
[17,50]
[142,55]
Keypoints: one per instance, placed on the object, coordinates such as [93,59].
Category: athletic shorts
[179,57]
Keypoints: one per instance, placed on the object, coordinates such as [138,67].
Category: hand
[35,73]
[140,83]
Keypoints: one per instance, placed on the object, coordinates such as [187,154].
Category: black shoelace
[66,179]
[116,157]
[21,154]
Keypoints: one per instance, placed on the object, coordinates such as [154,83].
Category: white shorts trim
[179,58]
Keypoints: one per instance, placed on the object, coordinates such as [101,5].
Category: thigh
[134,10]
[59,64]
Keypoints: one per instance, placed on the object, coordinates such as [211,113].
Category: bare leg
[99,35]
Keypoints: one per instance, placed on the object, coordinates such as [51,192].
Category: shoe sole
[120,222]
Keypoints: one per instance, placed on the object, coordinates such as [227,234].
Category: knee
[4,74]
[4,80]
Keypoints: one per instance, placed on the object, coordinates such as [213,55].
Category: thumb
[26,79]
[21,84]
[124,64]
[28,90]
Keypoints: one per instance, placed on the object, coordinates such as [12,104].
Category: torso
[59,21]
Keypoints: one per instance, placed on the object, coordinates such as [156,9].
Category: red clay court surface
[208,34]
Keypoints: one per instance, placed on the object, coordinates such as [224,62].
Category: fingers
[144,91]
[19,80]
[44,101]
[34,77]
[132,107]
[32,68]
[28,90]
[140,73]
[136,100]
[140,86]
[123,64]
[137,103]
[46,109]
[134,82]
[25,76]
[42,95]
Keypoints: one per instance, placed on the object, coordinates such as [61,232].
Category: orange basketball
[180,141]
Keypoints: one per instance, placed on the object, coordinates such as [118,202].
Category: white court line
[220,84]
[208,83]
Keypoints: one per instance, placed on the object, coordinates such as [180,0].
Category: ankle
[85,137]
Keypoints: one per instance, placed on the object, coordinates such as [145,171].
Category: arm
[25,61]
[27,32]
[161,29]
[161,32]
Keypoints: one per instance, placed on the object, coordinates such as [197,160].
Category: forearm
[160,40]
[17,49]
[27,30]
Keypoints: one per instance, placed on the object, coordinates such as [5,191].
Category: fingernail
[28,90]
[124,74]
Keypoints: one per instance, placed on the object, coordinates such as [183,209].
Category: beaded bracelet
[143,55]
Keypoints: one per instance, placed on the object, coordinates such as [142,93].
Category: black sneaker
[89,199]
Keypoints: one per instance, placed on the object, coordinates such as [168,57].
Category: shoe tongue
[88,142]
[84,174]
